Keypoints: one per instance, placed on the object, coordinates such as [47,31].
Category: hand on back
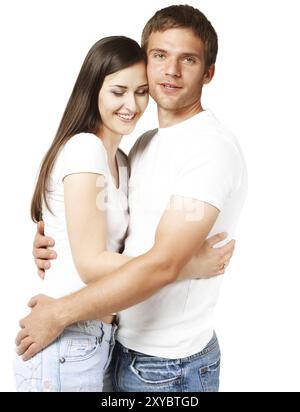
[41,250]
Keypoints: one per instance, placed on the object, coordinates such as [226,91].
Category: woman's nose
[130,102]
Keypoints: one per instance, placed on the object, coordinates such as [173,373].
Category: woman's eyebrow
[118,85]
[125,87]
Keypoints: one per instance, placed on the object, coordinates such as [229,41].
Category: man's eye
[159,56]
[190,60]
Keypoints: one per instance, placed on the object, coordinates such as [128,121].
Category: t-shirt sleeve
[210,176]
[84,153]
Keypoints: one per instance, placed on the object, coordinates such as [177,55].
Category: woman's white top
[83,153]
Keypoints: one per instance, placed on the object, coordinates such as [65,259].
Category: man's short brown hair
[184,16]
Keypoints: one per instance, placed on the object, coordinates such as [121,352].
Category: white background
[255,93]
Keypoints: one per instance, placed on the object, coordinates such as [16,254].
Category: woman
[81,194]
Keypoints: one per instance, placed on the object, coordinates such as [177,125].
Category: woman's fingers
[213,240]
[229,247]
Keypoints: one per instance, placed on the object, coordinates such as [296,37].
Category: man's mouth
[169,86]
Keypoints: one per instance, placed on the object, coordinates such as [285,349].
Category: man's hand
[41,253]
[40,327]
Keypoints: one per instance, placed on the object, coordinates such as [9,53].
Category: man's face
[176,68]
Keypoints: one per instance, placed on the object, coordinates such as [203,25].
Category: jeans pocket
[150,370]
[209,376]
[79,348]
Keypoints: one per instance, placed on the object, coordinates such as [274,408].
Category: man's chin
[167,103]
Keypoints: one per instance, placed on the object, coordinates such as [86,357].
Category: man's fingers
[42,241]
[40,253]
[22,323]
[42,264]
[24,345]
[31,351]
[41,227]
[33,301]
[41,274]
[20,336]
[213,240]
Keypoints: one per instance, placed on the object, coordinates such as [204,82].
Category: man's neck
[167,118]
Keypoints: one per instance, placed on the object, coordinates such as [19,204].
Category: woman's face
[123,99]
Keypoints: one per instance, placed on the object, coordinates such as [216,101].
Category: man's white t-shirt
[83,153]
[196,159]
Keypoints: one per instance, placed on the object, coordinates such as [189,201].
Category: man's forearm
[136,281]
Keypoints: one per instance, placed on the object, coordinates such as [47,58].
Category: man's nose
[173,68]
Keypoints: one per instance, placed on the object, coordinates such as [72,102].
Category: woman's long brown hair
[81,114]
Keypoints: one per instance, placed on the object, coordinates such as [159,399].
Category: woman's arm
[87,234]
[87,228]
[209,261]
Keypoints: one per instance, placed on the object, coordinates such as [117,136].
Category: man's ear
[209,74]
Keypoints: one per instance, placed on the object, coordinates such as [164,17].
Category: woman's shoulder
[85,139]
[84,152]
[85,145]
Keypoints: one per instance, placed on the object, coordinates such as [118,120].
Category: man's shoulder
[146,137]
[208,133]
[142,142]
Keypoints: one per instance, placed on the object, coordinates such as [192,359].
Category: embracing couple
[135,271]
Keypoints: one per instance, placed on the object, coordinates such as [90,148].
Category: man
[188,180]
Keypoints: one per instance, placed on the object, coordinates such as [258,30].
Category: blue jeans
[75,362]
[133,371]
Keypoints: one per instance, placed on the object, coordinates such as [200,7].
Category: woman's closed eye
[139,92]
[117,93]
[142,92]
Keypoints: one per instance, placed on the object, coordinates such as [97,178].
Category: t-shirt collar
[162,131]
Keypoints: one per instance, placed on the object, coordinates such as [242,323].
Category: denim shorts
[133,371]
[75,362]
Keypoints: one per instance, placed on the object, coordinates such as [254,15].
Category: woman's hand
[209,261]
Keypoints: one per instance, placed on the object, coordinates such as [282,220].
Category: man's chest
[153,175]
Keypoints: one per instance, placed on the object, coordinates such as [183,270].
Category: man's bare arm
[133,283]
[209,261]
[144,275]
